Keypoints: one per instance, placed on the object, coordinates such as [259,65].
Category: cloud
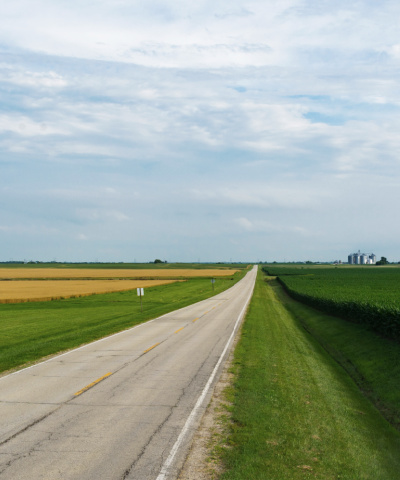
[31,79]
[266,195]
[23,126]
[261,226]
[193,126]
[88,215]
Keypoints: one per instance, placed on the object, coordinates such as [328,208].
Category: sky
[199,131]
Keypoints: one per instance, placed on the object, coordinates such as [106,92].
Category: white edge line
[104,338]
[168,462]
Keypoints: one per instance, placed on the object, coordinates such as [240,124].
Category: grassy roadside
[371,360]
[295,412]
[30,331]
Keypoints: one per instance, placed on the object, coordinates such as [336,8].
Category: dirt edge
[202,461]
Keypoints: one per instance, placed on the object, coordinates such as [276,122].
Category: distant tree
[382,261]
[157,260]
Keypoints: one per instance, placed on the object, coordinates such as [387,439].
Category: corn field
[367,295]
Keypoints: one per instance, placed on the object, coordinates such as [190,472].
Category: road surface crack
[172,408]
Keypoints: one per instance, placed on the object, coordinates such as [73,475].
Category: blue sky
[211,131]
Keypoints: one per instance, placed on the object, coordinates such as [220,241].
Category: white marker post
[213,281]
[140,292]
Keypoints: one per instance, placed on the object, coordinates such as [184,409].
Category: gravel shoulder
[201,462]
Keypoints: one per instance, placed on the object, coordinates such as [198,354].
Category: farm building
[362,258]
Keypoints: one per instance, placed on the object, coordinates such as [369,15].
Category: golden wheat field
[43,290]
[70,273]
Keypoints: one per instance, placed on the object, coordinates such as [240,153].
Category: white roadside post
[213,281]
[140,292]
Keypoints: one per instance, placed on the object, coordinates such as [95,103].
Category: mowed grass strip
[295,413]
[43,290]
[31,331]
[371,360]
[71,273]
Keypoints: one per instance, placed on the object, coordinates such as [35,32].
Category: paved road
[124,407]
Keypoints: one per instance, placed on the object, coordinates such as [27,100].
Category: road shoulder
[201,463]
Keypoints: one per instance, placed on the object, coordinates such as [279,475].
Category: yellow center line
[195,319]
[179,329]
[93,383]
[151,348]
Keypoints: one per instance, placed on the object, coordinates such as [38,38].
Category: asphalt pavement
[124,407]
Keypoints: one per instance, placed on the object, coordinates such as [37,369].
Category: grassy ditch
[295,412]
[370,359]
[30,331]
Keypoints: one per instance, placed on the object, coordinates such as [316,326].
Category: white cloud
[267,195]
[100,215]
[32,79]
[197,120]
[262,226]
[26,127]
[205,34]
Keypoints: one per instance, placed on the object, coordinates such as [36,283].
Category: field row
[54,273]
[44,290]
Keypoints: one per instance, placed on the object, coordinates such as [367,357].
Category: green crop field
[369,295]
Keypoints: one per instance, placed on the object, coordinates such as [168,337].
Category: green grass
[296,414]
[30,331]
[371,360]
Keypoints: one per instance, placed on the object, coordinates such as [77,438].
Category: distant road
[124,407]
